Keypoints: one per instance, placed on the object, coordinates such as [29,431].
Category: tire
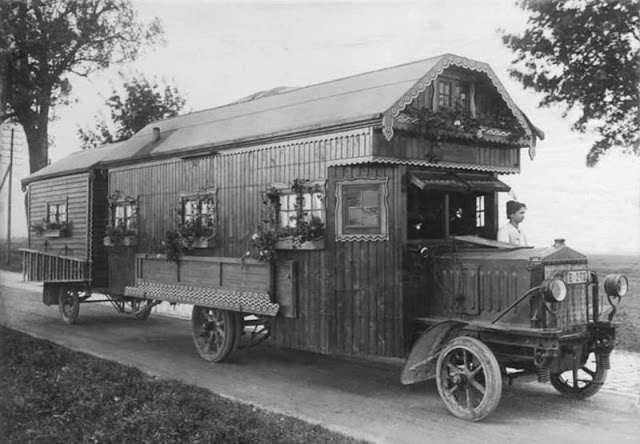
[469,379]
[215,332]
[68,303]
[587,381]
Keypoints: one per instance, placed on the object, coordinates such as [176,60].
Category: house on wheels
[301,216]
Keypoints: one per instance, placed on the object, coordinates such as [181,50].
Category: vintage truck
[352,217]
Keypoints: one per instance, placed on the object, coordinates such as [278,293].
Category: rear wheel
[583,382]
[468,378]
[69,303]
[215,332]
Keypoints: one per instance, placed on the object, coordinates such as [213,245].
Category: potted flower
[120,235]
[198,232]
[51,229]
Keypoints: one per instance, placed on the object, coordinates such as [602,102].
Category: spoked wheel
[583,382]
[68,303]
[468,378]
[215,332]
[137,305]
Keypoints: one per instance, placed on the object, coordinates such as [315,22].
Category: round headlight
[616,285]
[554,289]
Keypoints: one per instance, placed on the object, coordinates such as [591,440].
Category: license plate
[576,277]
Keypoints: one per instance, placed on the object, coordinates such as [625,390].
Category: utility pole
[10,191]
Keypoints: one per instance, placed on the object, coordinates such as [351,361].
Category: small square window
[312,208]
[57,213]
[361,209]
[199,214]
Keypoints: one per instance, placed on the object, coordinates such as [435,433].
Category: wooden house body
[387,162]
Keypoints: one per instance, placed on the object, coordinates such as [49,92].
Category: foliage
[199,226]
[449,123]
[142,102]
[54,395]
[584,55]
[39,228]
[305,228]
[44,42]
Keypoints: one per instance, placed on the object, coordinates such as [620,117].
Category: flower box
[127,241]
[59,232]
[287,243]
[202,242]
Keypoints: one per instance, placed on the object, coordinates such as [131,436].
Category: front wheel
[583,382]
[468,378]
[69,303]
[215,332]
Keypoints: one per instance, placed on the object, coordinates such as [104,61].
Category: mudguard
[421,363]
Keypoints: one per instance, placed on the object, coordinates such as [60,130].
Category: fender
[421,363]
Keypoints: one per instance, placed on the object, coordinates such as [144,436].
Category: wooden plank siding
[404,146]
[240,176]
[74,190]
[364,298]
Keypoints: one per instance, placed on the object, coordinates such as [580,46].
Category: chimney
[557,243]
[156,134]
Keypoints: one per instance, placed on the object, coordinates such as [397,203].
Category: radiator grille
[574,310]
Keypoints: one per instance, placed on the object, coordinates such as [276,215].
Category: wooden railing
[47,267]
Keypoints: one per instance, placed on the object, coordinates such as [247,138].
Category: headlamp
[616,285]
[554,289]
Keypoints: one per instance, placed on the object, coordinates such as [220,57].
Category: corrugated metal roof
[351,99]
[78,161]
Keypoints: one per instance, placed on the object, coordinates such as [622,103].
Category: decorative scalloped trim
[257,302]
[446,61]
[461,166]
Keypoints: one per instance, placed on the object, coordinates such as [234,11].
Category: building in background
[20,169]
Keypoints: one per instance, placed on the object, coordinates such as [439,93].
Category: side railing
[234,284]
[47,267]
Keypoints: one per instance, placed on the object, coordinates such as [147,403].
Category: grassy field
[54,395]
[628,315]
[15,257]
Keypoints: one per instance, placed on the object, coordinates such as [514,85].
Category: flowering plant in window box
[51,229]
[197,232]
[459,123]
[120,235]
[297,227]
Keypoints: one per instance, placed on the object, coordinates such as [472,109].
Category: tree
[45,42]
[583,55]
[141,103]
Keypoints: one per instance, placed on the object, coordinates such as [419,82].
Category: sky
[217,52]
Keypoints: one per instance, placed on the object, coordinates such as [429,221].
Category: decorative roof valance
[448,60]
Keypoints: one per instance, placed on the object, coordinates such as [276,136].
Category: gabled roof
[373,97]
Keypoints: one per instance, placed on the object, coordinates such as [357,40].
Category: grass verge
[54,395]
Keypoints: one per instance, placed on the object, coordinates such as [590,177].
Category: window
[361,209]
[56,213]
[444,94]
[480,212]
[125,216]
[453,94]
[199,215]
[311,206]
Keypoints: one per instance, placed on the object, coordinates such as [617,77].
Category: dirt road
[357,397]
